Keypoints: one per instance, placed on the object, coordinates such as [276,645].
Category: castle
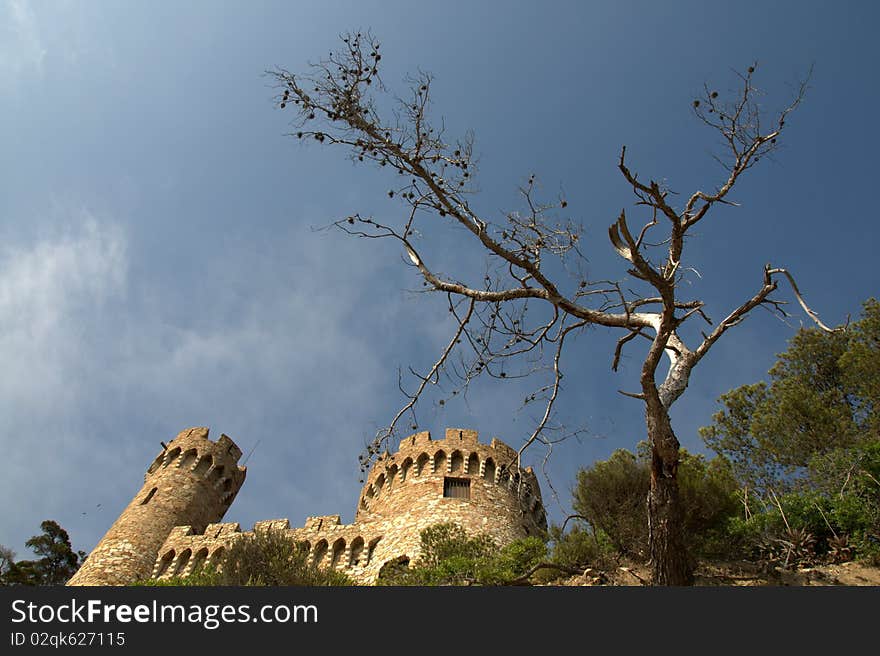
[171,527]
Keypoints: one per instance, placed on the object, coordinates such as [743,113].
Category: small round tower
[456,479]
[191,482]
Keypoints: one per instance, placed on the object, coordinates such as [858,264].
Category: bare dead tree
[336,103]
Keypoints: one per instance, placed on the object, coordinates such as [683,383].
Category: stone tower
[456,479]
[172,527]
[191,483]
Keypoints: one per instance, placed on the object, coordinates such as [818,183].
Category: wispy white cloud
[99,366]
[47,291]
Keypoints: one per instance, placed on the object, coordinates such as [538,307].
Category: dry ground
[739,574]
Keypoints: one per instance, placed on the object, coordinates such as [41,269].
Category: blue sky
[161,265]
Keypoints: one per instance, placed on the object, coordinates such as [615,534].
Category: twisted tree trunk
[670,562]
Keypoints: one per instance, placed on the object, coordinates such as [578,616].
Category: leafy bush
[813,435]
[582,546]
[611,496]
[842,526]
[205,576]
[449,556]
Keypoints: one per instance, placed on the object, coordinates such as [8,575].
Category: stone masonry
[456,479]
[193,481]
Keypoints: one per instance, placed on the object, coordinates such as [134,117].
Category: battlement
[454,438]
[214,462]
[321,521]
[422,467]
[459,436]
[186,490]
[219,529]
[460,449]
[329,543]
[173,525]
[223,529]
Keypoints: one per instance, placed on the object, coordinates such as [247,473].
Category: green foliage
[611,496]
[269,557]
[205,576]
[445,542]
[839,526]
[449,556]
[823,396]
[263,558]
[7,560]
[582,546]
[708,493]
[861,366]
[513,560]
[812,435]
[57,562]
[730,436]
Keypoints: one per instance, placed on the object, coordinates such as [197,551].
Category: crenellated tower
[172,527]
[425,482]
[455,479]
[192,482]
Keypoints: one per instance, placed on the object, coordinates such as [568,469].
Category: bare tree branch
[497,336]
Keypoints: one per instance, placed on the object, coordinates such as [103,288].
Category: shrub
[841,526]
[449,556]
[582,547]
[611,495]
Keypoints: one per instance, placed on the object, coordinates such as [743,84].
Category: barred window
[457,488]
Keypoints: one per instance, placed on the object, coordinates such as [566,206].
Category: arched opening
[165,563]
[338,550]
[157,463]
[473,465]
[182,562]
[357,550]
[199,560]
[489,471]
[217,556]
[371,549]
[380,482]
[171,457]
[189,459]
[320,552]
[149,496]
[392,473]
[420,463]
[394,568]
[405,468]
[440,461]
[204,464]
[456,462]
[217,474]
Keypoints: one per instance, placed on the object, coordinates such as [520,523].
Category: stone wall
[403,494]
[191,482]
[350,548]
